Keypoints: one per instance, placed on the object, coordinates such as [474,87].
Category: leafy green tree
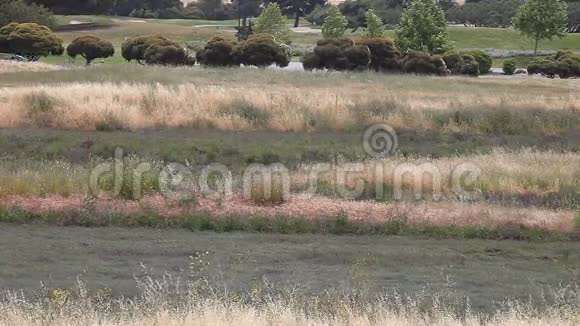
[30,40]
[334,24]
[375,26]
[19,11]
[272,21]
[298,8]
[423,27]
[542,19]
[90,48]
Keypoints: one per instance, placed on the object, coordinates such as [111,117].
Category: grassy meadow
[492,238]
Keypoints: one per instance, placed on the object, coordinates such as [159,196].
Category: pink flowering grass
[439,214]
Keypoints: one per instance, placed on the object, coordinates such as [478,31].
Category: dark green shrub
[134,48]
[469,66]
[330,53]
[21,11]
[30,40]
[358,57]
[337,54]
[454,61]
[262,50]
[384,55]
[483,58]
[311,61]
[463,63]
[421,63]
[168,53]
[90,48]
[509,67]
[156,49]
[217,52]
[564,64]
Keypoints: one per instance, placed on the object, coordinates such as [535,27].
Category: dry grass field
[496,163]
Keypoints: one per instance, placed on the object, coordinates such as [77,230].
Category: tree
[272,21]
[30,40]
[423,27]
[19,11]
[334,24]
[375,26]
[542,19]
[298,8]
[90,48]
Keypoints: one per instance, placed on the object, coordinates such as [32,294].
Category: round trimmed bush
[469,66]
[30,40]
[330,53]
[217,52]
[262,50]
[156,49]
[545,66]
[311,61]
[134,48]
[358,57]
[384,55]
[454,61]
[337,54]
[509,67]
[421,63]
[483,58]
[564,64]
[90,48]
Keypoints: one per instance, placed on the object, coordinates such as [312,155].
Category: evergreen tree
[375,26]
[334,24]
[272,21]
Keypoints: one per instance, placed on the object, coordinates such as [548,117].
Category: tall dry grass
[90,106]
[161,304]
[216,314]
[7,66]
[525,172]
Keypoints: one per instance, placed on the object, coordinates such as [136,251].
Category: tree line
[478,13]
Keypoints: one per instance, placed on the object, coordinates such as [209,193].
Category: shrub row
[156,49]
[564,64]
[30,40]
[471,63]
[260,50]
[378,54]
